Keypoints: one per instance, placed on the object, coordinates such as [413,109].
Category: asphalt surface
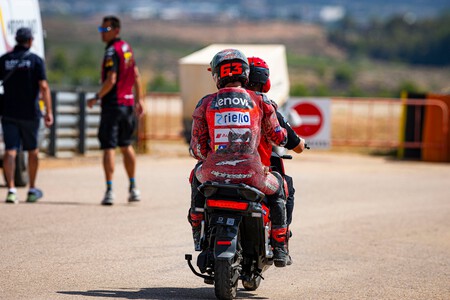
[364,228]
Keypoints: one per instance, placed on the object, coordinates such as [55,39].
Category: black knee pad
[277,211]
[290,199]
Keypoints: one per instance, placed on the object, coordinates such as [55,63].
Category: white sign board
[311,120]
[20,13]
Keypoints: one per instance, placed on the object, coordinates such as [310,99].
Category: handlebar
[287,156]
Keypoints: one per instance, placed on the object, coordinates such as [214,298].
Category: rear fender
[227,229]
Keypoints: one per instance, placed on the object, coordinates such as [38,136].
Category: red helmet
[259,74]
[229,65]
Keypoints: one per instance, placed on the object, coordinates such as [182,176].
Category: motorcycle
[235,236]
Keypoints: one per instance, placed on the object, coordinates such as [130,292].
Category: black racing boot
[277,205]
[280,253]
[288,257]
[195,215]
[289,210]
[196,219]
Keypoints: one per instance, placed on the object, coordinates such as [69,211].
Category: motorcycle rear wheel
[251,285]
[224,287]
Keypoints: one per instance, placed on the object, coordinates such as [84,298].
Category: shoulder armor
[265,98]
[200,102]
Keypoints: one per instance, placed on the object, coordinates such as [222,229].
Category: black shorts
[18,132]
[117,127]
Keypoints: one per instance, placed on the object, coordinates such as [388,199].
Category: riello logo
[232,118]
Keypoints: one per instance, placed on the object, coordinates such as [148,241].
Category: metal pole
[82,123]
[52,137]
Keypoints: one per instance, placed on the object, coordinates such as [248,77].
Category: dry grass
[365,123]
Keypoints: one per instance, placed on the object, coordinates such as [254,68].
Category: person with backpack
[23,78]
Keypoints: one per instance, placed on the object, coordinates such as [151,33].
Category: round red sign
[311,119]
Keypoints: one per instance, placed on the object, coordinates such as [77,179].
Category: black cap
[24,34]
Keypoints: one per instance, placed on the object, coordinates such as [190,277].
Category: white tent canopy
[196,81]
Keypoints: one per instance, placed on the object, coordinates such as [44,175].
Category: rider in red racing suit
[226,132]
[259,81]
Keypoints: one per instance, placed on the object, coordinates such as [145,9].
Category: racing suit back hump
[226,133]
[234,122]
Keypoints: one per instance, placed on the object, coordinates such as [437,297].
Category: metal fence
[75,128]
[379,122]
[356,122]
[163,117]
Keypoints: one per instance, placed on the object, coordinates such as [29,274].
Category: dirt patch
[70,162]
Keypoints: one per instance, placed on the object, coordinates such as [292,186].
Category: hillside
[314,63]
[218,10]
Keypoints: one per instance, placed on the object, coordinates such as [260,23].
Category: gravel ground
[364,228]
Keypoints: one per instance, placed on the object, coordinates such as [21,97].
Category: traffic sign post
[311,119]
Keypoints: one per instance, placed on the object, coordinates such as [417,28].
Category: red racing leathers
[265,152]
[226,133]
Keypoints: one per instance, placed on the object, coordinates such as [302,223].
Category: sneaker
[135,195]
[11,198]
[34,195]
[108,199]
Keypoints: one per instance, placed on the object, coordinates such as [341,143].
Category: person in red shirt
[119,106]
[226,132]
[259,81]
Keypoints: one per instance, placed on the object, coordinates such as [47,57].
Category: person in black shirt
[23,77]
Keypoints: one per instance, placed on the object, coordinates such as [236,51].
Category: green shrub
[344,75]
[161,84]
[299,90]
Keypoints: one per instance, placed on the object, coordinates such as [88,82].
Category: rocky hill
[314,63]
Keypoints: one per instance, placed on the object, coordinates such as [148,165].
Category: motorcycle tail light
[226,204]
[224,243]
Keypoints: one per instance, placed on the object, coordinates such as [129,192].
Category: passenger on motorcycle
[259,81]
[226,132]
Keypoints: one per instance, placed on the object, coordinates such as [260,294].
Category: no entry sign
[310,118]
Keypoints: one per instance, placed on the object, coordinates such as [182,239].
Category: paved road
[364,228]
